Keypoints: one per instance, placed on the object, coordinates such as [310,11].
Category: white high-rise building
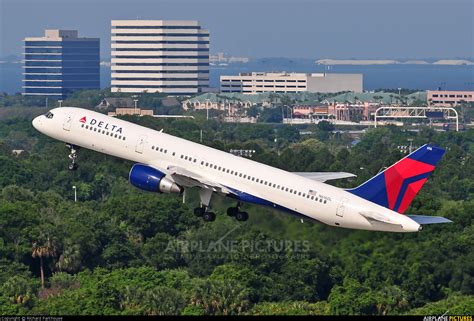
[159,56]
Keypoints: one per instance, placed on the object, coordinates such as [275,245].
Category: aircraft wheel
[73,166]
[232,211]
[209,217]
[199,211]
[242,216]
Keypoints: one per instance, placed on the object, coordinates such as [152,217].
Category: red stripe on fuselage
[395,175]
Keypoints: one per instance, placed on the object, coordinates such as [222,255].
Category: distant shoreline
[332,62]
[362,62]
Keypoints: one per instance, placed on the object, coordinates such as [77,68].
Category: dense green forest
[118,250]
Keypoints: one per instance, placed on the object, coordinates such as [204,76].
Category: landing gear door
[341,207]
[140,144]
[68,121]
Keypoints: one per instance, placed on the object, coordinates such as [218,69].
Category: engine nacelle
[150,179]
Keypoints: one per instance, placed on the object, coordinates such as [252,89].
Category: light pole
[411,145]
[136,103]
[75,193]
[207,108]
[291,114]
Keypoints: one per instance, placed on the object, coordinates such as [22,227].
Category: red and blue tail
[397,186]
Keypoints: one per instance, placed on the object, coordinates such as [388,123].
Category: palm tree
[70,259]
[42,250]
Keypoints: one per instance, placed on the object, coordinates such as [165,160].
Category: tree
[221,297]
[43,249]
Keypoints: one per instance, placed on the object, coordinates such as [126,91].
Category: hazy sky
[264,28]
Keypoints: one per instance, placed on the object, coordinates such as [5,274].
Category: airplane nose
[37,123]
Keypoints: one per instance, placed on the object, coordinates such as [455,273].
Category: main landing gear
[235,212]
[72,157]
[208,216]
[203,211]
[205,214]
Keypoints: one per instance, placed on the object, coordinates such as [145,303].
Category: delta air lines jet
[168,164]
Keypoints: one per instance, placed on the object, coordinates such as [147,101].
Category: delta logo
[101,124]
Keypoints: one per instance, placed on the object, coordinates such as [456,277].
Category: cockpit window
[49,115]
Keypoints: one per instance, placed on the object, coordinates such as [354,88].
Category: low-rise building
[284,82]
[352,112]
[131,111]
[449,98]
[317,112]
[114,102]
[233,104]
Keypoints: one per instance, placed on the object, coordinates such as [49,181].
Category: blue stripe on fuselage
[248,198]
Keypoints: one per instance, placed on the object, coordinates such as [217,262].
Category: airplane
[168,164]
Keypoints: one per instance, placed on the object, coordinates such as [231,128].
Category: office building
[283,82]
[158,56]
[60,63]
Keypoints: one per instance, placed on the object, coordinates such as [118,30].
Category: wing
[187,178]
[324,176]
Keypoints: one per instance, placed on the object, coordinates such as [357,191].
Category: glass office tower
[60,63]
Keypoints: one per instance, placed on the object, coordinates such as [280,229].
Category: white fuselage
[278,188]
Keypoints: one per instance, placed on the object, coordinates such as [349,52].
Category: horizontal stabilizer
[425,219]
[324,176]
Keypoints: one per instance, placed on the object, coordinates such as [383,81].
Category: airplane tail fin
[397,186]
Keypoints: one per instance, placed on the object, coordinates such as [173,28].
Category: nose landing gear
[72,157]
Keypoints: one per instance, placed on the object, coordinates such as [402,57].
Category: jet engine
[150,179]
